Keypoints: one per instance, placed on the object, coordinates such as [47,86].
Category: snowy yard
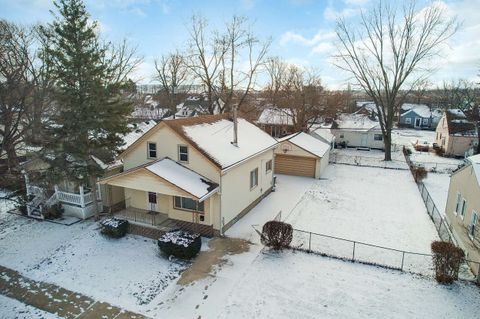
[372,205]
[373,158]
[11,308]
[437,186]
[128,272]
[301,285]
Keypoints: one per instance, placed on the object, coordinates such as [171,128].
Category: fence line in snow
[366,161]
[366,253]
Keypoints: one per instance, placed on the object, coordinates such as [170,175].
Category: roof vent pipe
[235,126]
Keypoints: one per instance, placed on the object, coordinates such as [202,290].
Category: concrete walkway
[57,300]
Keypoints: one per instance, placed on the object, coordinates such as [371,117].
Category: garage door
[295,165]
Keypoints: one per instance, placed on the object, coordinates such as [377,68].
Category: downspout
[221,204]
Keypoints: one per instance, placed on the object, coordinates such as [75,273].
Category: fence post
[82,199]
[310,241]
[353,254]
[403,258]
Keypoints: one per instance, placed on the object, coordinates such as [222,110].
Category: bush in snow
[113,227]
[53,212]
[447,259]
[276,234]
[419,173]
[180,244]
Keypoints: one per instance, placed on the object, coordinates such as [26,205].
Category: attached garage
[295,165]
[301,155]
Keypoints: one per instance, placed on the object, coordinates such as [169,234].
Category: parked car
[422,146]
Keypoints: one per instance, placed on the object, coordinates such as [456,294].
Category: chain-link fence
[362,252]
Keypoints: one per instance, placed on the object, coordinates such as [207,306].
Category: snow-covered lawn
[372,205]
[11,308]
[408,137]
[437,186]
[299,285]
[372,157]
[127,272]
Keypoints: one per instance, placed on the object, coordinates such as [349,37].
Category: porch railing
[76,199]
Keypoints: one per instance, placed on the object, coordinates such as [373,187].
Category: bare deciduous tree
[387,53]
[172,73]
[227,63]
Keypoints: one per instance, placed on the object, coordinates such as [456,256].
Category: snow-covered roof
[355,122]
[276,116]
[183,178]
[138,130]
[475,161]
[213,136]
[309,143]
[324,133]
[421,109]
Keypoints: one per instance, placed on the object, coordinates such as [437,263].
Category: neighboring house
[75,199]
[197,105]
[149,109]
[463,208]
[367,108]
[190,173]
[357,130]
[455,134]
[418,116]
[278,122]
[301,154]
[323,133]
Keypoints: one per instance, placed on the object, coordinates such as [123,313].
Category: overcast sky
[302,31]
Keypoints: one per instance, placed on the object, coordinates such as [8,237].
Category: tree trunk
[93,186]
[388,146]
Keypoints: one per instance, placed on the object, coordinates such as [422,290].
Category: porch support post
[82,199]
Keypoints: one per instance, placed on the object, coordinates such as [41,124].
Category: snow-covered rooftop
[421,109]
[137,131]
[276,116]
[355,122]
[309,143]
[183,177]
[215,139]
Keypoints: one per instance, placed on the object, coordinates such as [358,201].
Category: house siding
[235,186]
[358,138]
[412,116]
[453,145]
[465,183]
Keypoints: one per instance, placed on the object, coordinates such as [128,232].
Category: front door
[152,201]
[418,122]
[364,140]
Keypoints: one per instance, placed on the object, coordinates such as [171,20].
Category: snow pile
[216,140]
[112,222]
[186,179]
[179,237]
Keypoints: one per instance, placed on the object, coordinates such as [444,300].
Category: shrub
[276,234]
[180,244]
[53,212]
[446,260]
[440,151]
[113,227]
[407,151]
[419,173]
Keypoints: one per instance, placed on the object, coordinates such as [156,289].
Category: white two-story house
[194,173]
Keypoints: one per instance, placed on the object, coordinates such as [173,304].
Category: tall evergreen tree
[90,113]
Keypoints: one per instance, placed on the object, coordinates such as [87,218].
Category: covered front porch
[165,195]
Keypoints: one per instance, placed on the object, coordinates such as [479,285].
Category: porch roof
[165,176]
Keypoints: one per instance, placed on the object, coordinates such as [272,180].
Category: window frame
[457,203]
[471,226]
[180,153]
[408,120]
[182,206]
[268,166]
[425,121]
[375,137]
[255,171]
[464,208]
[149,150]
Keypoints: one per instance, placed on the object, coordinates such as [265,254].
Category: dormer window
[182,153]
[151,150]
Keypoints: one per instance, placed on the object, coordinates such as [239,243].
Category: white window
[182,153]
[464,207]
[408,120]
[457,204]
[254,178]
[268,166]
[151,150]
[188,204]
[378,137]
[473,223]
[425,121]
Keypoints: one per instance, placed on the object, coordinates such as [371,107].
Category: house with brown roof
[200,173]
[456,134]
